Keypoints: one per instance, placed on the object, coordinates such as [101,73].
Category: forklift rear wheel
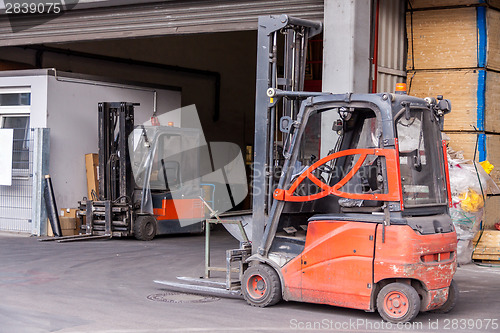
[398,303]
[261,286]
[451,301]
[145,227]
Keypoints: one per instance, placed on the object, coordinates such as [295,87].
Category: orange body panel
[342,261]
[335,267]
[404,252]
[180,210]
[431,259]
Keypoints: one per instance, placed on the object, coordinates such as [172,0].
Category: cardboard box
[453,38]
[69,226]
[68,212]
[70,223]
[92,167]
[67,223]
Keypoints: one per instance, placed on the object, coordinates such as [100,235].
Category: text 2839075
[32,8]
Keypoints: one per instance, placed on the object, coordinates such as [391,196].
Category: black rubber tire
[451,301]
[268,283]
[412,305]
[145,227]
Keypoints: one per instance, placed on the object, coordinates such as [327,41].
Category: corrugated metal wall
[391,48]
[150,19]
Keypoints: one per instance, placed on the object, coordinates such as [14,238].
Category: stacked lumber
[454,51]
[418,4]
[487,246]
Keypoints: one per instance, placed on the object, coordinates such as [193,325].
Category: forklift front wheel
[145,227]
[398,303]
[261,286]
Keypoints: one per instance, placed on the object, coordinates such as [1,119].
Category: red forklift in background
[350,196]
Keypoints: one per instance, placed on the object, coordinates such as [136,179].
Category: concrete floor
[103,286]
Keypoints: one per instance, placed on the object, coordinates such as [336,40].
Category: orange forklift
[350,192]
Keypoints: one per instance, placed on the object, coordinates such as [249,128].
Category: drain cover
[173,297]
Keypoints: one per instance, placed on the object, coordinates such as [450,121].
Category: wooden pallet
[488,248]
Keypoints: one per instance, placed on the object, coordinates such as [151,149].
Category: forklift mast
[116,122]
[271,30]
[110,212]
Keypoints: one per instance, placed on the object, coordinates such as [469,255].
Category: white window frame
[16,111]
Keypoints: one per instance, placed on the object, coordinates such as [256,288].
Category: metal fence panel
[16,200]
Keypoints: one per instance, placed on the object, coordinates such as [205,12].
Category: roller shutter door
[149,19]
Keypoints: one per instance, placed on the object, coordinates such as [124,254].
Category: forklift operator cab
[165,191]
[366,225]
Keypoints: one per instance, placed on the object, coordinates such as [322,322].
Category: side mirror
[286,124]
[444,105]
[338,125]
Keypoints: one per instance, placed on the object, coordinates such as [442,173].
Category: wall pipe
[375,30]
[171,68]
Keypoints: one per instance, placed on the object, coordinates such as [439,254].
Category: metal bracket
[347,97]
[389,142]
[236,255]
[395,207]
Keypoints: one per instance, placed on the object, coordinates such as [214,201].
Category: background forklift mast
[109,213]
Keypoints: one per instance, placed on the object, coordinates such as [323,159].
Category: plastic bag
[471,201]
[464,177]
[487,166]
[466,224]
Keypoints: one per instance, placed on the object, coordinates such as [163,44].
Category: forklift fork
[229,288]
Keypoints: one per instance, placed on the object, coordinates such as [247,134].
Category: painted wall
[72,119]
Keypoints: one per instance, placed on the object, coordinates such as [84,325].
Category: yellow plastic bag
[487,166]
[471,201]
